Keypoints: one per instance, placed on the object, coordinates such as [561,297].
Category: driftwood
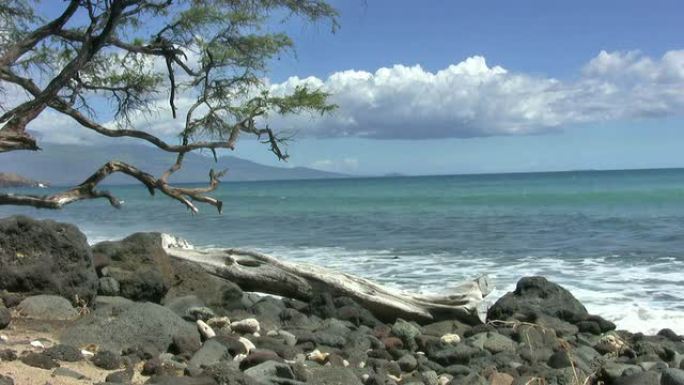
[257,272]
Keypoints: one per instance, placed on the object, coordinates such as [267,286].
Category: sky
[444,87]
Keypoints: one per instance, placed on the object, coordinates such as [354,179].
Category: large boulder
[534,296]
[47,307]
[144,272]
[129,326]
[45,257]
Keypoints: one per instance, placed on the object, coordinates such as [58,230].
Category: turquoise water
[615,238]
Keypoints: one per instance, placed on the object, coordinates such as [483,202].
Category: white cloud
[467,99]
[472,99]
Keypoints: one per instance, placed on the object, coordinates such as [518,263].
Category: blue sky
[441,87]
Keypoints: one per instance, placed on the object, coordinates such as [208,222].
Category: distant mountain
[71,164]
[14,180]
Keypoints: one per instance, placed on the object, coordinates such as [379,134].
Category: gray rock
[45,257]
[5,317]
[672,377]
[172,380]
[644,378]
[182,305]
[47,307]
[199,313]
[266,371]
[39,360]
[497,343]
[107,360]
[66,372]
[613,370]
[407,363]
[65,353]
[212,352]
[7,355]
[536,295]
[122,376]
[108,286]
[407,332]
[134,325]
[226,373]
[334,376]
[559,360]
[6,380]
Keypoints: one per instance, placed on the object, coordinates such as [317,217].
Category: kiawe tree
[103,63]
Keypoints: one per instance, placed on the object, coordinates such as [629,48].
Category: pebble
[66,372]
[205,330]
[450,339]
[107,360]
[246,326]
[39,360]
[249,346]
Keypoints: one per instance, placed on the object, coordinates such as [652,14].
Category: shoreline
[128,313]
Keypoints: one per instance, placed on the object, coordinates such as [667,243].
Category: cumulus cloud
[468,99]
[474,99]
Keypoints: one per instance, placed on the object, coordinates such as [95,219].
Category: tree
[102,61]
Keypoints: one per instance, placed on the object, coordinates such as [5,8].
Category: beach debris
[37,344]
[610,343]
[205,330]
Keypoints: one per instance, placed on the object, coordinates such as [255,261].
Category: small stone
[407,363]
[8,355]
[199,313]
[183,344]
[37,344]
[107,360]
[246,326]
[120,377]
[66,372]
[151,366]
[249,346]
[205,330]
[450,339]
[559,360]
[5,317]
[66,353]
[407,332]
[39,360]
[501,379]
[6,380]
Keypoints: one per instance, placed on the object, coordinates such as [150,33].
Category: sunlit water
[615,239]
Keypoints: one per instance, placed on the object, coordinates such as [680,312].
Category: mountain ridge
[69,164]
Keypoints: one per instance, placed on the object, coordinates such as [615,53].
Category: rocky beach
[126,312]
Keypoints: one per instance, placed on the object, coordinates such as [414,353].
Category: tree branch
[88,190]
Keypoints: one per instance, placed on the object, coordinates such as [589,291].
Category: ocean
[615,239]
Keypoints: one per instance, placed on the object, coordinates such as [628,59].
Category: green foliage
[214,53]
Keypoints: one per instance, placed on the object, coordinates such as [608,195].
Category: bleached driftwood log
[257,272]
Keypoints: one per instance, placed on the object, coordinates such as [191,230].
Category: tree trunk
[258,272]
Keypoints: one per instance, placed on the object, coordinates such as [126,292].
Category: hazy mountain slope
[70,164]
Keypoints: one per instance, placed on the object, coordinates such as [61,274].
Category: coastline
[143,317]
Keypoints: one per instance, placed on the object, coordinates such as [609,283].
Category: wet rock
[65,353]
[107,360]
[536,295]
[47,307]
[137,324]
[66,372]
[39,360]
[5,317]
[603,323]
[45,257]
[670,335]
